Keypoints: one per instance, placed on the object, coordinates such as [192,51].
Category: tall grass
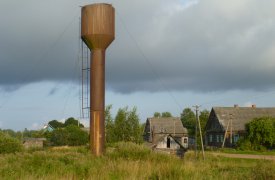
[237,151]
[127,161]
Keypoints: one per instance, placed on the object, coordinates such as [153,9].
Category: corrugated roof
[241,115]
[167,125]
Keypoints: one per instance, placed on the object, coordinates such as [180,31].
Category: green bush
[260,131]
[260,135]
[76,136]
[59,137]
[71,135]
[9,144]
[244,144]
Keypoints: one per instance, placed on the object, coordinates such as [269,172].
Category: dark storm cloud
[38,41]
[207,45]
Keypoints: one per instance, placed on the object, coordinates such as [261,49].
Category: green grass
[235,151]
[127,161]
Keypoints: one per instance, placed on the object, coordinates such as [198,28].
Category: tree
[59,137]
[56,124]
[27,133]
[76,136]
[188,120]
[261,132]
[135,128]
[72,121]
[109,125]
[204,115]
[121,128]
[126,126]
[71,135]
[157,114]
[9,144]
[37,134]
[163,114]
[166,114]
[31,133]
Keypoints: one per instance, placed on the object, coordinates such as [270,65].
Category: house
[33,142]
[48,128]
[229,122]
[166,134]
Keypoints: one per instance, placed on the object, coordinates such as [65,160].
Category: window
[185,140]
[218,138]
[210,138]
[236,137]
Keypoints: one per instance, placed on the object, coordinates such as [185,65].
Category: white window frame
[221,138]
[210,138]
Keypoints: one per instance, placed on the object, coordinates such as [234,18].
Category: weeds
[127,161]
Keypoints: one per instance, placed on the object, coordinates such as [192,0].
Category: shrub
[59,137]
[260,135]
[76,136]
[260,131]
[9,144]
[71,135]
[244,144]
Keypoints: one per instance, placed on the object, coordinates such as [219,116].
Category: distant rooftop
[241,115]
[167,125]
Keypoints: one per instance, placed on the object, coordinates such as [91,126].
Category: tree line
[124,126]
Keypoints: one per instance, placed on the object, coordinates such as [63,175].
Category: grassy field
[234,151]
[127,161]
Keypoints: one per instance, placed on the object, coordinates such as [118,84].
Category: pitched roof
[240,115]
[167,125]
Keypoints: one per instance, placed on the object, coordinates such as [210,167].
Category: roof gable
[213,123]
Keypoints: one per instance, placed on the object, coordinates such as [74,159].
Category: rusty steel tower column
[97,31]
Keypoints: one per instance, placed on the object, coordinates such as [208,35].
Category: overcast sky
[167,55]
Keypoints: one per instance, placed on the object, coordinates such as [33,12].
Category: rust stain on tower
[98,32]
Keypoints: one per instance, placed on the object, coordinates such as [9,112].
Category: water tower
[98,32]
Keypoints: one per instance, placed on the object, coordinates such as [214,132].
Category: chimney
[236,105]
[253,106]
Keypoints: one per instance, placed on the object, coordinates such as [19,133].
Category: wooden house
[229,122]
[33,142]
[166,134]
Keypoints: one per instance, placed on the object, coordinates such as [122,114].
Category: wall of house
[165,143]
[184,142]
[147,133]
[216,139]
[33,144]
[215,133]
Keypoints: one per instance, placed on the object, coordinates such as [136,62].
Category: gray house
[230,122]
[166,134]
[33,142]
